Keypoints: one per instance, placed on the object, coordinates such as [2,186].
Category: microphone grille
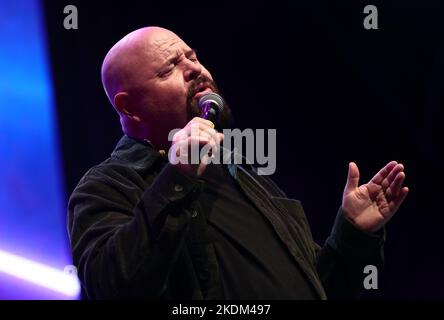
[214,98]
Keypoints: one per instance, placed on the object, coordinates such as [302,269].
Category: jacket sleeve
[340,263]
[345,254]
[122,250]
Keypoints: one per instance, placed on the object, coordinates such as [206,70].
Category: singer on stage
[144,226]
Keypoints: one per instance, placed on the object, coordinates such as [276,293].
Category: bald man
[144,226]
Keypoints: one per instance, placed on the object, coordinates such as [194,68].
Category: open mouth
[202,89]
[201,93]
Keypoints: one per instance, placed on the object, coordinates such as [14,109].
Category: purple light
[39,274]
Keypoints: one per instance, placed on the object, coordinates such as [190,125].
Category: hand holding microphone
[199,134]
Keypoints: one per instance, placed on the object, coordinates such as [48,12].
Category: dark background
[334,91]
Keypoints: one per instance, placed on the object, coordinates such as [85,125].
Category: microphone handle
[210,112]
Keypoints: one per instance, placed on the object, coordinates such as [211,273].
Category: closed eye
[165,73]
[192,55]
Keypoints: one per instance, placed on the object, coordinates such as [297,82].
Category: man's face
[170,81]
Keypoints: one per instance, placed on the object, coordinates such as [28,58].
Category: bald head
[151,77]
[121,66]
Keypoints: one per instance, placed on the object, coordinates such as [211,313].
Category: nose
[192,70]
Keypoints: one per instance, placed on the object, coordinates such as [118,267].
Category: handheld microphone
[211,104]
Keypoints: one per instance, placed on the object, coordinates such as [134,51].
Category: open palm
[371,205]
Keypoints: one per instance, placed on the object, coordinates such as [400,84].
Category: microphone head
[213,99]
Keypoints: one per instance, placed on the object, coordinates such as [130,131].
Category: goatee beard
[225,119]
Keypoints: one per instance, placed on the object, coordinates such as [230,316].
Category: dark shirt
[254,262]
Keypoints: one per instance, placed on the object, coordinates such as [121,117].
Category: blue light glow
[32,199]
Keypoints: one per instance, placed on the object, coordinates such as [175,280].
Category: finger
[194,128]
[397,201]
[187,144]
[205,159]
[213,137]
[204,133]
[396,185]
[213,145]
[212,133]
[201,149]
[201,121]
[383,173]
[352,178]
[199,141]
[392,175]
[180,135]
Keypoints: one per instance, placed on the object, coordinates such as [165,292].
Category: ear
[122,104]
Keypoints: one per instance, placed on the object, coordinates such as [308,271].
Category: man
[143,227]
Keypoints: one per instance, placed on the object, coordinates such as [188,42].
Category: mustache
[201,80]
[193,110]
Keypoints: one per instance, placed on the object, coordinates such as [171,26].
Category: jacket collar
[137,153]
[141,155]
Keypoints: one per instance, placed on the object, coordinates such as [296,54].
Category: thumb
[353,177]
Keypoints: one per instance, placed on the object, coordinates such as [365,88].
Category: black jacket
[137,231]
